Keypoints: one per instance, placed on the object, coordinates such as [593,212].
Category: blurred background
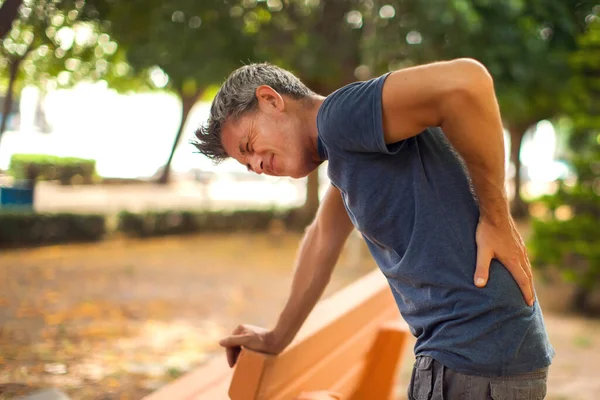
[125,255]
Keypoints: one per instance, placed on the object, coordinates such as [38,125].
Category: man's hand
[252,337]
[503,242]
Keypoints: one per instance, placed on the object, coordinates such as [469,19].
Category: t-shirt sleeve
[351,120]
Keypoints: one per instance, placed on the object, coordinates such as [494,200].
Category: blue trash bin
[16,197]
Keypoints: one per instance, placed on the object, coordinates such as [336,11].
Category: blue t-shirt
[413,203]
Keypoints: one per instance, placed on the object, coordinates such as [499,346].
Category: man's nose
[257,164]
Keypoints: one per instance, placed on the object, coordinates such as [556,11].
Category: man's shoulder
[349,96]
[352,113]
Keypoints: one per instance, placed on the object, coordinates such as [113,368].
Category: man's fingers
[233,340]
[527,267]
[232,355]
[239,329]
[523,279]
[482,271]
[233,346]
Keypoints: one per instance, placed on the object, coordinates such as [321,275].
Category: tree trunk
[187,102]
[580,300]
[8,101]
[40,120]
[311,204]
[518,206]
[8,13]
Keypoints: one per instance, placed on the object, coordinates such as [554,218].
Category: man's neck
[309,115]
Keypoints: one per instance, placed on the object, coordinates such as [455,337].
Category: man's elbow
[472,83]
[473,77]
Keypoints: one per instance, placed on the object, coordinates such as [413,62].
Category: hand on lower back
[503,242]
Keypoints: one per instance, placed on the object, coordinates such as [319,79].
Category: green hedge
[30,228]
[570,244]
[27,228]
[178,222]
[67,170]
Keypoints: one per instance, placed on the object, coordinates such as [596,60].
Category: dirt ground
[118,319]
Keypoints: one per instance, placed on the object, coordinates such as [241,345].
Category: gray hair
[237,96]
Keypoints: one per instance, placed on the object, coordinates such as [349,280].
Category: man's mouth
[272,164]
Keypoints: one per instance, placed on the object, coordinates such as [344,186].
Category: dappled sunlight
[129,315]
[165,251]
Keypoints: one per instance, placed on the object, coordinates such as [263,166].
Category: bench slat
[338,335]
[348,383]
[377,381]
[341,347]
[252,364]
[375,305]
[352,296]
[331,368]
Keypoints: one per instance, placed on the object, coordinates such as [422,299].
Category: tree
[319,41]
[524,44]
[8,12]
[190,45]
[531,86]
[568,237]
[52,40]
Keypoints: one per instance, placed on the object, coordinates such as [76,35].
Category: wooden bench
[351,344]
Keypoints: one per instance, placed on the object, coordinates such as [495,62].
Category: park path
[117,319]
[181,194]
[124,316]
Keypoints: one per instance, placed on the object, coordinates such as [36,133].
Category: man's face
[270,139]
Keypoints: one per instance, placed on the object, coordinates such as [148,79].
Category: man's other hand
[249,336]
[503,242]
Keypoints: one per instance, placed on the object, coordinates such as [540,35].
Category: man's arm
[459,97]
[318,254]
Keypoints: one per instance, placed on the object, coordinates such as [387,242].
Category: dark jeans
[433,381]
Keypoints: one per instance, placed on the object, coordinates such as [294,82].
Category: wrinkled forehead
[233,133]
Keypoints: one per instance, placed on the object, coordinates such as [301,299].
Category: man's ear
[269,99]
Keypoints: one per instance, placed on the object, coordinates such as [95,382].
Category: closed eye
[248,152]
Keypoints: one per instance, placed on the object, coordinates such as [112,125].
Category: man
[416,163]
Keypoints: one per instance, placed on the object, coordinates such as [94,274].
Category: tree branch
[8,13]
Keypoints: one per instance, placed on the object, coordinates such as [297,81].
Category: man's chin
[300,175]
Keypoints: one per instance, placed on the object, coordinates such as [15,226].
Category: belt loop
[439,382]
